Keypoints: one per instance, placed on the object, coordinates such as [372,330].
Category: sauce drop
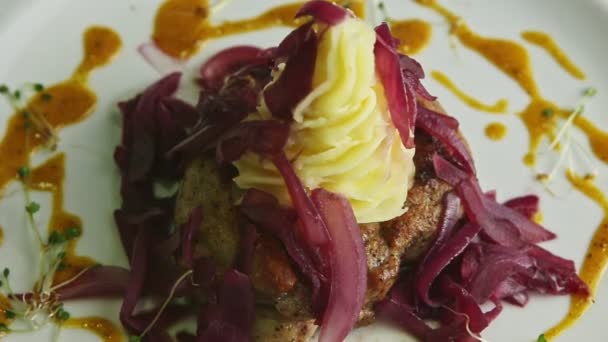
[513,60]
[181,27]
[59,105]
[596,259]
[107,330]
[413,34]
[546,42]
[499,106]
[63,104]
[50,177]
[496,131]
[541,118]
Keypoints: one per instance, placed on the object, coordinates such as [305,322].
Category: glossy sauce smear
[181,27]
[65,103]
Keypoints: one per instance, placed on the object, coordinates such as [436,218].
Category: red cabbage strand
[399,95]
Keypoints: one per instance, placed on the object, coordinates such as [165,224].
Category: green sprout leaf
[589,92]
[72,233]
[38,87]
[3,89]
[547,112]
[9,314]
[6,272]
[56,238]
[4,328]
[541,338]
[62,315]
[32,208]
[23,172]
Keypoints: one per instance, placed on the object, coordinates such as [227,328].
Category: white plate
[41,41]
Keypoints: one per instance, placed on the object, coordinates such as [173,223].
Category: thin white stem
[166,302]
[57,287]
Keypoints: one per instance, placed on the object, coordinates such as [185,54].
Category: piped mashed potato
[342,138]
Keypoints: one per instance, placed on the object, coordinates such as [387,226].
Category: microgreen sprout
[9,314]
[164,305]
[46,97]
[23,172]
[56,238]
[547,112]
[61,314]
[541,338]
[72,232]
[17,99]
[32,208]
[568,145]
[383,10]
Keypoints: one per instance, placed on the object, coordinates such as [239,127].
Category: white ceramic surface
[40,40]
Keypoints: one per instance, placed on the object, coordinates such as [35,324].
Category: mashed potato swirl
[342,138]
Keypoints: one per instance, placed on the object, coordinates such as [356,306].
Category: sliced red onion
[437,262]
[249,236]
[184,114]
[446,224]
[512,291]
[230,317]
[399,95]
[552,274]
[445,227]
[188,236]
[525,205]
[348,263]
[445,128]
[98,282]
[219,66]
[463,302]
[496,264]
[142,127]
[160,61]
[500,224]
[313,227]
[264,211]
[324,11]
[413,73]
[139,267]
[402,315]
[295,81]
[264,137]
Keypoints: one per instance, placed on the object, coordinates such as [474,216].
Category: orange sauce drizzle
[59,105]
[499,106]
[546,42]
[596,258]
[50,177]
[107,330]
[182,27]
[541,118]
[496,131]
[62,104]
[513,60]
[413,34]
